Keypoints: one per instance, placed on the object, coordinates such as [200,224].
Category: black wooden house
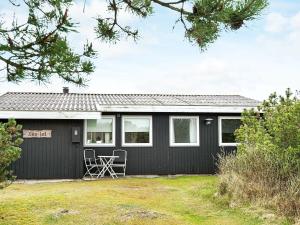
[163,134]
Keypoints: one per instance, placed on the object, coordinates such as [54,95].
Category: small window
[100,132]
[184,131]
[137,131]
[227,127]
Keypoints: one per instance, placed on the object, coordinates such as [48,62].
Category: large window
[100,132]
[184,130]
[137,131]
[227,126]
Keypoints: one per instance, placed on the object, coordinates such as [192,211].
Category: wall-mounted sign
[37,133]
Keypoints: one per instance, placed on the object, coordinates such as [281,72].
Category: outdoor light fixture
[208,121]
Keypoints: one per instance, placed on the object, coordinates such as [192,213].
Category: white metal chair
[93,168]
[121,161]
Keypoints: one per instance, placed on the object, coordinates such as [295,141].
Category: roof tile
[29,101]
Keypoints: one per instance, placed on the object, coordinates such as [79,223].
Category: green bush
[266,168]
[10,151]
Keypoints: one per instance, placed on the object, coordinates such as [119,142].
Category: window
[100,132]
[137,131]
[227,127]
[184,131]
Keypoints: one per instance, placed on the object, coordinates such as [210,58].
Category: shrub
[266,168]
[9,149]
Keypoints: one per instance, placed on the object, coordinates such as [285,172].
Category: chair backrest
[122,156]
[89,156]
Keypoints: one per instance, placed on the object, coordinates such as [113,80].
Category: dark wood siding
[58,157]
[55,157]
[161,158]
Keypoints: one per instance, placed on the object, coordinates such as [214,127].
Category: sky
[260,58]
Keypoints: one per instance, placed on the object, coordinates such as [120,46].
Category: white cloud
[295,21]
[294,37]
[275,22]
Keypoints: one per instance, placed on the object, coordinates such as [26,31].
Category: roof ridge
[132,94]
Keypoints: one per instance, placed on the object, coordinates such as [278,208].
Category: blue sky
[258,59]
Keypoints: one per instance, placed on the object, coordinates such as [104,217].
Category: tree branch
[176,2]
[169,5]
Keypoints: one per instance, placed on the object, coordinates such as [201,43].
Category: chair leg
[87,173]
[84,175]
[90,172]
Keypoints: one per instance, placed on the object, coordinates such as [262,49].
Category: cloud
[275,22]
[295,21]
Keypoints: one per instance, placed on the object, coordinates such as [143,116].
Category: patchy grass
[173,201]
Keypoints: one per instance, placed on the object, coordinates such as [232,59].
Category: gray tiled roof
[28,101]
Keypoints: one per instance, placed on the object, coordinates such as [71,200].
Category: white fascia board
[187,109]
[49,115]
[119,108]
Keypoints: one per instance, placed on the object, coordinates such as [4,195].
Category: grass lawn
[179,200]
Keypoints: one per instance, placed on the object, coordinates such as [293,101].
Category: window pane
[102,125]
[228,128]
[99,137]
[137,125]
[137,130]
[185,130]
[99,131]
[137,137]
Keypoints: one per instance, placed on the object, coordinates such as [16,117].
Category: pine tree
[39,49]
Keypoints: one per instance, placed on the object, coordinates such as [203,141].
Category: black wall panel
[59,157]
[55,157]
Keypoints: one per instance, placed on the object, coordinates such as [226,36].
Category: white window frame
[220,118]
[113,144]
[136,144]
[171,131]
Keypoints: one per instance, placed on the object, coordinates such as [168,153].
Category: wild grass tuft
[257,178]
